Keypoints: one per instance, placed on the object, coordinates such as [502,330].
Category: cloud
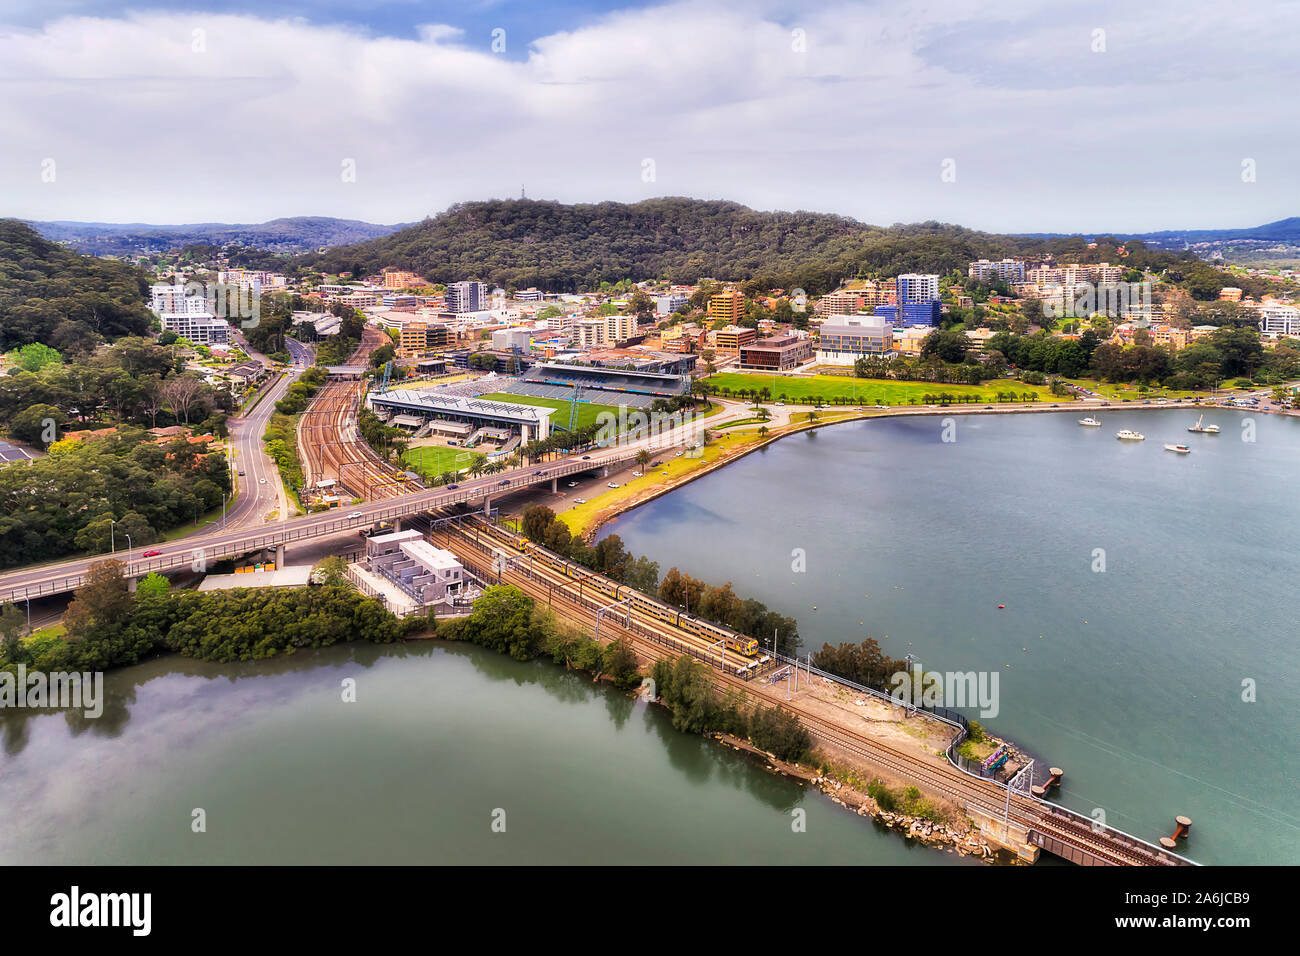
[852,108]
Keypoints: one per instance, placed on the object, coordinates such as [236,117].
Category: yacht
[1129,434]
[1089,421]
[1200,426]
[1181,449]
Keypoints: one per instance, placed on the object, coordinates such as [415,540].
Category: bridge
[198,551]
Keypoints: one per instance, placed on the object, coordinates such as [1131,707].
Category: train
[746,646]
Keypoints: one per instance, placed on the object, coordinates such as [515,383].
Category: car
[613,484]
[1056,406]
[586,458]
[453,487]
[579,501]
[987,407]
[539,473]
[678,455]
[1105,404]
[241,472]
[503,481]
[356,514]
[636,474]
[152,553]
[573,484]
[655,464]
[261,481]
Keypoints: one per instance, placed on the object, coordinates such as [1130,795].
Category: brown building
[777,353]
[727,307]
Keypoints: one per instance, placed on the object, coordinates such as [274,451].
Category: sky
[1014,116]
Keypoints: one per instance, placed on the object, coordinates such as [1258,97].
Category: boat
[1089,421]
[1181,449]
[1129,434]
[1200,426]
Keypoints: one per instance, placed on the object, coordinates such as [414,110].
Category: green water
[440,738]
[1135,686]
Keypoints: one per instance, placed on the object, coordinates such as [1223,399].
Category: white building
[188,315]
[1278,319]
[467,297]
[1005,270]
[605,330]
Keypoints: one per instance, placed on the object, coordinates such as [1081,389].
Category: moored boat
[1129,434]
[1203,428]
[1090,421]
[1181,449]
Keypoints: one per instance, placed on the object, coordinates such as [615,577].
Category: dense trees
[519,243]
[863,663]
[133,381]
[109,627]
[70,302]
[63,503]
[725,607]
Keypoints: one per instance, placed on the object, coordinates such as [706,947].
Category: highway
[260,489]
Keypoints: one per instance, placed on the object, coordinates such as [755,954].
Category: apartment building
[397,279]
[604,330]
[1276,318]
[466,297]
[727,307]
[1004,270]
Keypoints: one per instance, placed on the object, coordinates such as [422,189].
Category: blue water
[1131,678]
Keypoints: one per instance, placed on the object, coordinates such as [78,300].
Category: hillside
[287,236]
[566,247]
[50,294]
[570,247]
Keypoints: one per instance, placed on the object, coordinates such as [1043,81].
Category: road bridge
[199,551]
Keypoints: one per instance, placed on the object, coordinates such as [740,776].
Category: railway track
[332,447]
[539,576]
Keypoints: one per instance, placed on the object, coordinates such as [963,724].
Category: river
[441,742]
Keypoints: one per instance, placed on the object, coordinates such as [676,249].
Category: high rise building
[466,297]
[727,307]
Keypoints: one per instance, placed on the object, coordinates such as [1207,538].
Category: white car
[636,474]
[573,484]
[261,481]
[579,501]
[355,514]
[613,484]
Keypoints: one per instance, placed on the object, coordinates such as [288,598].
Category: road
[261,493]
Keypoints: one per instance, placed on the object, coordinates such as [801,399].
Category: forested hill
[50,294]
[561,248]
[569,247]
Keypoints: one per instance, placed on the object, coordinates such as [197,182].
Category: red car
[152,554]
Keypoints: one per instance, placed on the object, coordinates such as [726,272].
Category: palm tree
[643,458]
[477,465]
[762,431]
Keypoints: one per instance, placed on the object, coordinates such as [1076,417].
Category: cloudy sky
[1011,116]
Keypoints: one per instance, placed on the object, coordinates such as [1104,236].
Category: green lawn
[587,412]
[432,460]
[1121,391]
[870,391]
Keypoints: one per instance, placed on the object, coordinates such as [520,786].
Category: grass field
[1121,391]
[587,412]
[432,460]
[870,391]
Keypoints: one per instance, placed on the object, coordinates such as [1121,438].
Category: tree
[37,425]
[102,603]
[152,584]
[12,622]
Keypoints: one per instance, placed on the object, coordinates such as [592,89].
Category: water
[1129,678]
[439,739]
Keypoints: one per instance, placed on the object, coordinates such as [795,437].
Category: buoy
[1001,606]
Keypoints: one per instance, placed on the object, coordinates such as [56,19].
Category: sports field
[868,391]
[431,460]
[587,412]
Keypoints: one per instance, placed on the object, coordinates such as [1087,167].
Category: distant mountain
[287,236]
[1282,231]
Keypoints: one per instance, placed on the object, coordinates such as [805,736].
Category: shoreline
[618,508]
